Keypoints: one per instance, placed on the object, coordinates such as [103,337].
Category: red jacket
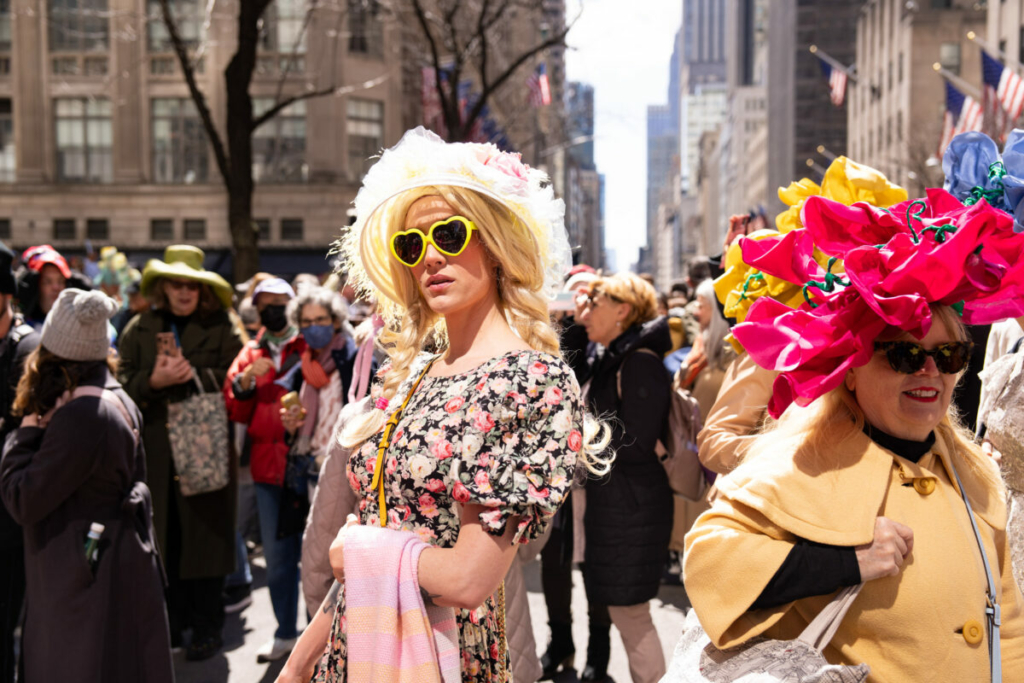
[260,409]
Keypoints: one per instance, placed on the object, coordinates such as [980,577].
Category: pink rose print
[441,449]
[353,481]
[553,396]
[435,485]
[460,492]
[483,421]
[454,404]
[428,506]
[538,369]
[482,481]
[534,492]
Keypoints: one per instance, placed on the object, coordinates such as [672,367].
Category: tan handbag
[197,429]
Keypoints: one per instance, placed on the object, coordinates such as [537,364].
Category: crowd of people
[821,416]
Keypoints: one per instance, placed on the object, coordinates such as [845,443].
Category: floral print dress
[505,436]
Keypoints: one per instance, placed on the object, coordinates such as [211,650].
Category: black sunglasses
[909,357]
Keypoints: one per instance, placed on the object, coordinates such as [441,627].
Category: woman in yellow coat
[860,485]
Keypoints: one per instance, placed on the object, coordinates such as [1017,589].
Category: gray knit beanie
[76,327]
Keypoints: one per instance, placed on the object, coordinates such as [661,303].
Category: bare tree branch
[181,50]
[294,54]
[344,90]
[435,55]
[486,92]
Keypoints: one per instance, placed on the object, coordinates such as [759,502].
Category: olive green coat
[207,521]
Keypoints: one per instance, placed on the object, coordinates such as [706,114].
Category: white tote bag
[763,660]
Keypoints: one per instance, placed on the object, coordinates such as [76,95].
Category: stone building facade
[895,112]
[109,147]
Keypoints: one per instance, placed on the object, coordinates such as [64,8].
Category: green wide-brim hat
[185,262]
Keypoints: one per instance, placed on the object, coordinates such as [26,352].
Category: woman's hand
[337,551]
[169,371]
[991,451]
[259,367]
[292,419]
[885,555]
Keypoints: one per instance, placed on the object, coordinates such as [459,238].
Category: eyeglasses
[450,237]
[908,357]
[190,285]
[591,300]
[322,320]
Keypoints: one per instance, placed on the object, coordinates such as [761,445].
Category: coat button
[177,478]
[973,633]
[924,485]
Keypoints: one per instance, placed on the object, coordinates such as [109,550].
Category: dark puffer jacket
[628,520]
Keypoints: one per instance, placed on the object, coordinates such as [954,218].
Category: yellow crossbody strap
[385,442]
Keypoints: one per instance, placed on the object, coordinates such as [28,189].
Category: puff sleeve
[519,447]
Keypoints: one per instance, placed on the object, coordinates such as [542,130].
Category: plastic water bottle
[92,544]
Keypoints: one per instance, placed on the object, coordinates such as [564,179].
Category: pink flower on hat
[897,264]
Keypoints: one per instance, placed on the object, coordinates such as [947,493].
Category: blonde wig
[523,235]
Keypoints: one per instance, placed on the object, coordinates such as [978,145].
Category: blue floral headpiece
[975,170]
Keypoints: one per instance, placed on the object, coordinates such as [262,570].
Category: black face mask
[273,318]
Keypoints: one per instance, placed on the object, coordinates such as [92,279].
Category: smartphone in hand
[167,345]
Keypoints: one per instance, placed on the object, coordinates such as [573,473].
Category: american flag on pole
[539,87]
[1003,95]
[836,81]
[963,113]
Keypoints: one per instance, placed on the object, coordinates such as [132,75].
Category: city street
[245,632]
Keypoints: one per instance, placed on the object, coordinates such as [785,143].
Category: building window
[949,57]
[263,228]
[161,229]
[5,25]
[5,228]
[291,229]
[900,75]
[79,26]
[195,229]
[84,140]
[279,145]
[7,156]
[284,33]
[365,134]
[189,18]
[365,28]
[64,229]
[179,142]
[97,229]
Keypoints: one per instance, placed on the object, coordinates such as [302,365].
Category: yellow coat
[907,627]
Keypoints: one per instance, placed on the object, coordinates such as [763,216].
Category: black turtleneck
[905,448]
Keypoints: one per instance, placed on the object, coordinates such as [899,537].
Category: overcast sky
[623,50]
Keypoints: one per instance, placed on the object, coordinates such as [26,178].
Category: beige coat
[906,627]
[739,410]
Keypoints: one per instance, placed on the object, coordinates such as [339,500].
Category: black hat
[7,282]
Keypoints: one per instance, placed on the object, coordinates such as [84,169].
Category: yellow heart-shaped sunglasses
[449,236]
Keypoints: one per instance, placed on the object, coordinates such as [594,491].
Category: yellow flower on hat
[846,182]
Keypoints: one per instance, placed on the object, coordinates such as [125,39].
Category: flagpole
[993,50]
[960,83]
[833,62]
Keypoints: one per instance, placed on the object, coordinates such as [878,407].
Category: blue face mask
[318,336]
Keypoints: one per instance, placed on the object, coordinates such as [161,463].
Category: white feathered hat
[422,159]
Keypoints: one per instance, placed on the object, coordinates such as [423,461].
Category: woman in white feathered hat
[477,444]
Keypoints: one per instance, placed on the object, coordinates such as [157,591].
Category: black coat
[21,340]
[628,519]
[206,520]
[104,627]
